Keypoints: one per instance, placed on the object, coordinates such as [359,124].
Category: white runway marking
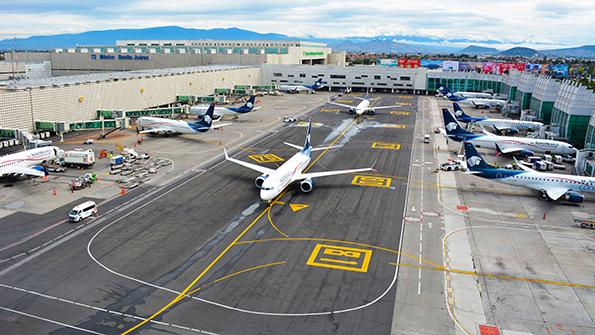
[50,321]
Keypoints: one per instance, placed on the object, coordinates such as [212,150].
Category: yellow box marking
[329,110]
[383,145]
[403,104]
[395,126]
[344,101]
[399,113]
[298,207]
[340,258]
[405,96]
[521,216]
[266,158]
[373,181]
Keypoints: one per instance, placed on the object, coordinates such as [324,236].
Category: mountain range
[403,44]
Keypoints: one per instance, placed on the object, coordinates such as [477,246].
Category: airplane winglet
[225,152]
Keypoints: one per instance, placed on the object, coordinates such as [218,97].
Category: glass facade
[572,127]
[590,137]
[468,85]
[524,99]
[542,109]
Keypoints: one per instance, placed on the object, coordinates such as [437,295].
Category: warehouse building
[131,55]
[543,98]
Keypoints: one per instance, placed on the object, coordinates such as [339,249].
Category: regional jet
[552,186]
[157,125]
[519,146]
[475,102]
[301,88]
[500,125]
[29,162]
[220,111]
[272,182]
[444,91]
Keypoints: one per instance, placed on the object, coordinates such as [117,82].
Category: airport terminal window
[381,84]
[337,76]
[314,76]
[405,78]
[358,77]
[376,77]
[357,83]
[364,76]
[290,75]
[277,74]
[302,75]
[282,81]
[320,75]
[273,80]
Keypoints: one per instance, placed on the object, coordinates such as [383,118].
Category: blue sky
[541,24]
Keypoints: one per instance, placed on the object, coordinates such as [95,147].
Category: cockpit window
[267,188]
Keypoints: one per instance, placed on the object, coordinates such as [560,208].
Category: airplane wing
[342,105]
[217,126]
[153,131]
[381,107]
[512,150]
[313,149]
[302,176]
[522,166]
[555,193]
[23,170]
[261,169]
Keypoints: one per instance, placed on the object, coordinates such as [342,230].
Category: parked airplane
[444,91]
[475,102]
[520,146]
[499,125]
[220,111]
[552,186]
[363,107]
[300,88]
[157,125]
[272,182]
[28,162]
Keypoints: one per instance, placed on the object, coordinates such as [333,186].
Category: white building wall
[526,82]
[355,76]
[546,88]
[79,102]
[574,99]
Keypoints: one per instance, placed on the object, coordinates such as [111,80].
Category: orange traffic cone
[122,191]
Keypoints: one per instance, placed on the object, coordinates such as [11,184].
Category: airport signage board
[450,65]
[313,53]
[408,63]
[119,57]
[431,64]
[391,62]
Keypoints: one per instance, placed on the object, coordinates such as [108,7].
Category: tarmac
[202,253]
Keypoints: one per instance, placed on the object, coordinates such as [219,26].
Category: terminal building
[131,55]
[543,98]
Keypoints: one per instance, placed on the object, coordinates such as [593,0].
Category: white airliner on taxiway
[272,182]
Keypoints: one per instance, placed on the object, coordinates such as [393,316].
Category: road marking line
[298,207]
[497,276]
[385,145]
[273,225]
[351,259]
[374,181]
[50,321]
[183,293]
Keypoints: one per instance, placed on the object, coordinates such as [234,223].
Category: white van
[82,211]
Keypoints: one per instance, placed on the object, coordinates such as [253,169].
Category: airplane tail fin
[459,113]
[249,105]
[307,144]
[473,159]
[453,129]
[207,119]
[318,83]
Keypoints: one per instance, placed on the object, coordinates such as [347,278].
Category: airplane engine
[371,112]
[259,180]
[574,197]
[307,185]
[352,110]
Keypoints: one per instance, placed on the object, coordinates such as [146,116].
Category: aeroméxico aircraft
[521,146]
[552,186]
[300,88]
[220,111]
[362,108]
[272,182]
[27,163]
[444,91]
[157,125]
[475,102]
[499,125]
